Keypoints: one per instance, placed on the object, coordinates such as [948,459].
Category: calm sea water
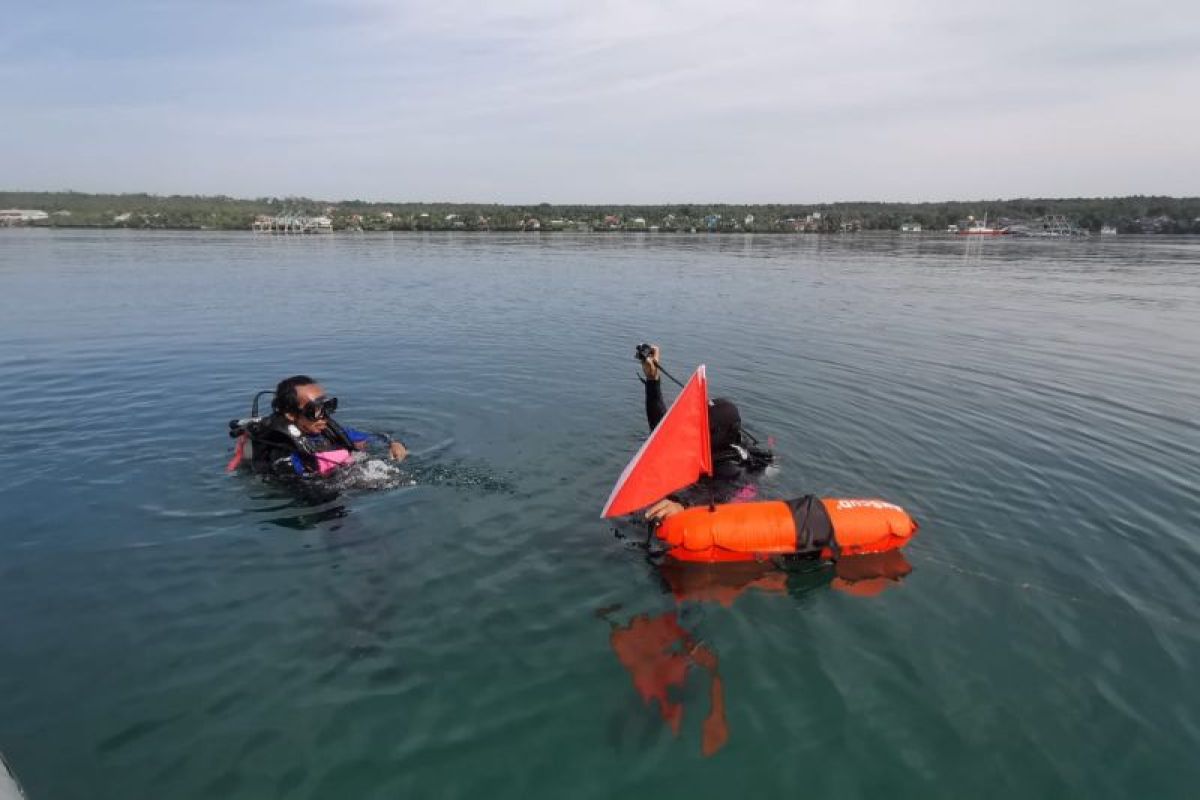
[170,631]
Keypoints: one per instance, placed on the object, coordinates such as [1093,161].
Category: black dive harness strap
[277,430]
[814,529]
[750,456]
[339,434]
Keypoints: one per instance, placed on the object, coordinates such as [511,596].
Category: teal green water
[453,630]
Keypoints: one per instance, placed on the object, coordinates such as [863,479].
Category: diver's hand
[650,365]
[663,509]
[399,452]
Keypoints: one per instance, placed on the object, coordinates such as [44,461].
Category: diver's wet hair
[285,393]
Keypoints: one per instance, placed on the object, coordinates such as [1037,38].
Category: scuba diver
[737,458]
[301,437]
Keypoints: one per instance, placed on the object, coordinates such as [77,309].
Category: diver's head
[304,403]
[724,425]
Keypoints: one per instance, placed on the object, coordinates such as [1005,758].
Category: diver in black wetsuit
[737,459]
[301,437]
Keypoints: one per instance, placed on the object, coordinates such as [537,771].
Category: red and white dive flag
[676,454]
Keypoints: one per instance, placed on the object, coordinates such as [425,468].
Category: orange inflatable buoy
[809,526]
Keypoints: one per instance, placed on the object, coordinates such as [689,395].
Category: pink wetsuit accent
[745,494]
[330,460]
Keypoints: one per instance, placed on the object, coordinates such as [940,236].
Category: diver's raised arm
[656,408]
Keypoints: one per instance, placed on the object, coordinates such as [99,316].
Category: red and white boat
[977,228]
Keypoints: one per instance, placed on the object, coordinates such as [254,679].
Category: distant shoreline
[1054,216]
[926,236]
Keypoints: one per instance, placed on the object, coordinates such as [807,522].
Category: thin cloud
[628,101]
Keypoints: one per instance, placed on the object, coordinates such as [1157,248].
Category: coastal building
[22,216]
[910,227]
[1160,224]
[291,223]
[1053,225]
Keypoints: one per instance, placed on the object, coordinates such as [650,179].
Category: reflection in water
[723,583]
[659,651]
[870,575]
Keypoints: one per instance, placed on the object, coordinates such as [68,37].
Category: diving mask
[319,408]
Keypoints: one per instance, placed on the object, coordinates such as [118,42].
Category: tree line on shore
[1134,214]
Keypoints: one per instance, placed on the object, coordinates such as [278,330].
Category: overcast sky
[642,102]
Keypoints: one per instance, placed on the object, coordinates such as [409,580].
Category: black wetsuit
[736,465]
[279,448]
